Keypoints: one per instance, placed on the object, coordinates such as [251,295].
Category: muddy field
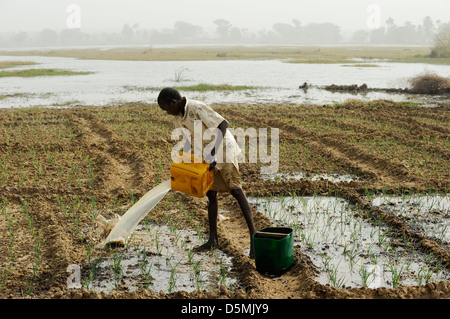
[63,170]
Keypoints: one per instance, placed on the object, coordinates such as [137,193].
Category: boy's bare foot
[206,246]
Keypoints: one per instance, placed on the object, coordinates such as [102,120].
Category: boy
[226,172]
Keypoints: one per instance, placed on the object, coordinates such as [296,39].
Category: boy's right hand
[211,159]
[212,165]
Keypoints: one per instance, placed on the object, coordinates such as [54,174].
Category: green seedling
[396,274]
[199,278]
[144,265]
[92,272]
[365,274]
[116,269]
[4,278]
[173,280]
[223,272]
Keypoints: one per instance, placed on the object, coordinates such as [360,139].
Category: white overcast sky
[104,15]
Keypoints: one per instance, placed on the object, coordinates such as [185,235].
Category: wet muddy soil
[63,168]
[363,88]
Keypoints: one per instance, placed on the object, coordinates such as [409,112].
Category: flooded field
[335,178]
[364,185]
[348,249]
[428,214]
[159,258]
[272,81]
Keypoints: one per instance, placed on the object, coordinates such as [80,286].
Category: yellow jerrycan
[190,174]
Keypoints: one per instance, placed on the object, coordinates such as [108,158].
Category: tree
[235,34]
[223,27]
[127,32]
[20,38]
[389,33]
[286,31]
[428,29]
[360,36]
[442,41]
[407,34]
[48,37]
[297,24]
[390,23]
[322,33]
[72,37]
[377,36]
[186,30]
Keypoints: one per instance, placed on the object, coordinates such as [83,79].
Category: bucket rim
[282,230]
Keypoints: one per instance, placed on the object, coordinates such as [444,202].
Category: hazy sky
[94,15]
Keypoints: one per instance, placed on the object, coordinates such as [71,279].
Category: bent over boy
[227,178]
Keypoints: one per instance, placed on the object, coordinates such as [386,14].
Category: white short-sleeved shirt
[196,110]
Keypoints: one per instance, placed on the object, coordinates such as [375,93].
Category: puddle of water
[348,250]
[429,214]
[335,178]
[160,259]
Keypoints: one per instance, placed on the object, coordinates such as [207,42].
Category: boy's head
[169,100]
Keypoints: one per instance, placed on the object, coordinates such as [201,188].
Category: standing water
[348,249]
[269,81]
[156,257]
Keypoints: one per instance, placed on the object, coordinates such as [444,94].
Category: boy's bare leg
[238,193]
[212,219]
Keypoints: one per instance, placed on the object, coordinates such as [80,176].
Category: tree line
[224,32]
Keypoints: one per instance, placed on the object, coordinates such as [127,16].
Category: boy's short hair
[168,94]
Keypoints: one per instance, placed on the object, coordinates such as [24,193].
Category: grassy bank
[39,72]
[362,65]
[294,54]
[11,64]
[203,87]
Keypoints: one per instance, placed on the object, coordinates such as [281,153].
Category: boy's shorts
[226,179]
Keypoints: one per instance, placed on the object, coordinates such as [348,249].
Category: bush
[429,83]
[434,54]
[442,41]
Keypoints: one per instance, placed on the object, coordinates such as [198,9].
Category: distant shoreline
[289,53]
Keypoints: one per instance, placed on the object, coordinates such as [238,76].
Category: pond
[276,81]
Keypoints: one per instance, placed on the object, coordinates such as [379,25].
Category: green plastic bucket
[274,250]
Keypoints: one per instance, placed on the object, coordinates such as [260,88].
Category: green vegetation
[211,87]
[294,54]
[201,87]
[6,96]
[334,231]
[362,65]
[10,64]
[354,55]
[31,72]
[441,47]
[370,129]
[320,61]
[39,72]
